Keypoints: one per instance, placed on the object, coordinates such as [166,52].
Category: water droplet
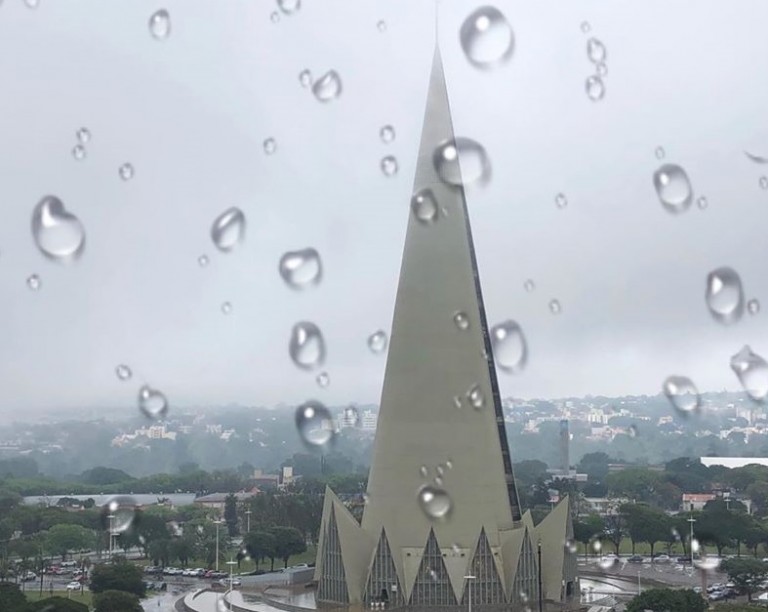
[509,346]
[487,38]
[724,295]
[34,282]
[702,203]
[595,88]
[675,534]
[387,134]
[305,78]
[389,165]
[274,17]
[381,25]
[424,471]
[585,27]
[529,285]
[203,261]
[476,397]
[632,431]
[83,135]
[764,182]
[607,562]
[351,417]
[160,25]
[753,306]
[758,159]
[457,401]
[228,229]
[315,424]
[226,308]
[695,546]
[707,563]
[377,342]
[462,158]
[424,206]
[152,403]
[123,372]
[432,574]
[681,393]
[289,6]
[555,307]
[673,188]
[596,51]
[570,546]
[79,152]
[660,152]
[118,513]
[449,465]
[327,87]
[126,171]
[455,548]
[752,371]
[323,380]
[33,4]
[601,69]
[57,233]
[270,146]
[434,501]
[301,269]
[561,201]
[461,320]
[596,546]
[307,346]
[438,481]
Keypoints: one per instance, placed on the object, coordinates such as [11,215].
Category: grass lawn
[34,595]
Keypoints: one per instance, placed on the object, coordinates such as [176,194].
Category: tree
[182,548]
[288,541]
[667,600]
[595,465]
[614,529]
[746,573]
[60,539]
[230,514]
[645,524]
[260,544]
[120,576]
[584,529]
[159,551]
[116,601]
[56,604]
[104,476]
[11,598]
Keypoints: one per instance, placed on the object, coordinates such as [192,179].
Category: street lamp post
[230,563]
[469,591]
[541,601]
[248,521]
[111,518]
[691,521]
[217,523]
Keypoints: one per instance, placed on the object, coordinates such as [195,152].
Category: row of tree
[721,525]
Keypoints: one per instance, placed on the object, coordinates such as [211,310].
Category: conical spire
[440,404]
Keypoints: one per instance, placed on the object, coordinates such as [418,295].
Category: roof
[698,497]
[220,498]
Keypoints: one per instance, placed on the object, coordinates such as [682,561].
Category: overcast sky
[191,113]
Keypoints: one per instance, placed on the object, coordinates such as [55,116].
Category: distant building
[368,420]
[265,481]
[216,501]
[734,462]
[696,501]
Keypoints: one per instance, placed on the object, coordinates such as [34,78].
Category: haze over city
[194,111]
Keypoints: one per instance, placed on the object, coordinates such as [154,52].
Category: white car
[74,586]
[661,559]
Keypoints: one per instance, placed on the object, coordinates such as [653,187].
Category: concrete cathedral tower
[441,426]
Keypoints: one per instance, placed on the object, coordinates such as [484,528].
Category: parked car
[69,564]
[661,559]
[74,586]
[28,576]
[636,559]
